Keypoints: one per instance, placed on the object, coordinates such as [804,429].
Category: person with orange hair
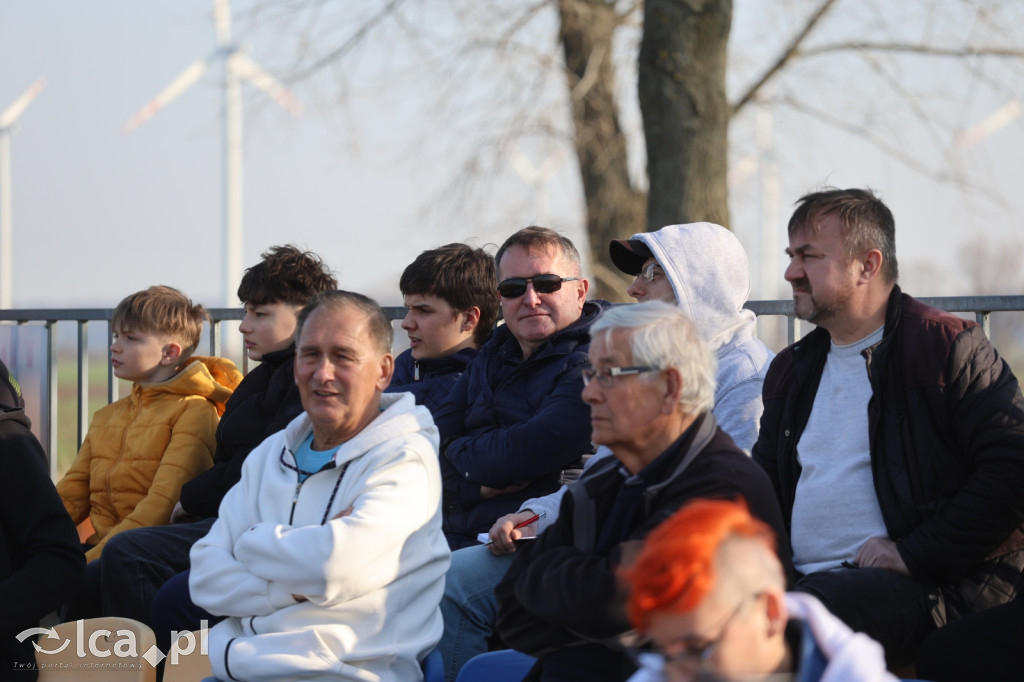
[709,592]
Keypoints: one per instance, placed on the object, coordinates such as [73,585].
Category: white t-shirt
[836,509]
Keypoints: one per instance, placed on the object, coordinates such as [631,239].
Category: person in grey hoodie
[701,267]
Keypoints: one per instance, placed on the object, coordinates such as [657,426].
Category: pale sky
[98,214]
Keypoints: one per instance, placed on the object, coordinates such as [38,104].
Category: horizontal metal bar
[394,312]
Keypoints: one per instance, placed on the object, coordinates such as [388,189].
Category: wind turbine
[535,176]
[990,124]
[237,66]
[7,119]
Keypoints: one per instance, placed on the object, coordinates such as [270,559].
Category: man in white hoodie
[702,268]
[328,557]
[709,593]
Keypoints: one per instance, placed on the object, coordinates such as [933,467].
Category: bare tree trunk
[685,110]
[614,207]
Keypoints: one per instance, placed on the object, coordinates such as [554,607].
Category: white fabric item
[852,656]
[836,509]
[373,579]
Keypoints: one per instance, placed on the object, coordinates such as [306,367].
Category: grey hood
[708,269]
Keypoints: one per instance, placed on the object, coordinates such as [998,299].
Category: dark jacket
[508,422]
[946,422]
[264,403]
[41,561]
[429,380]
[560,600]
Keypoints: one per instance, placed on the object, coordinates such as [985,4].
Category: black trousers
[894,610]
[988,645]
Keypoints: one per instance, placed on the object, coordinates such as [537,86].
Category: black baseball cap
[629,255]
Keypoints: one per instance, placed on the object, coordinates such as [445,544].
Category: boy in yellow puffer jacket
[140,449]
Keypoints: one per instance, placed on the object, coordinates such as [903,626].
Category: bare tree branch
[916,48]
[352,42]
[787,54]
[869,135]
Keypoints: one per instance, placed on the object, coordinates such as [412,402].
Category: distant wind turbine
[7,119]
[535,176]
[990,124]
[237,66]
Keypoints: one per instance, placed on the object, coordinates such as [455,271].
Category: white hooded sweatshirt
[709,273]
[372,580]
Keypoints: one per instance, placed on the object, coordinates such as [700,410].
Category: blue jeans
[174,610]
[468,605]
[136,563]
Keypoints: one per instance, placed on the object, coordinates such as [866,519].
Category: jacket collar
[456,362]
[564,340]
[279,357]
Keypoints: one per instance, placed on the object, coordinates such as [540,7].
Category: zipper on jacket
[295,501]
[136,409]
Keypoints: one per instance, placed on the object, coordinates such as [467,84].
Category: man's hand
[488,493]
[628,553]
[343,513]
[881,553]
[504,532]
[179,515]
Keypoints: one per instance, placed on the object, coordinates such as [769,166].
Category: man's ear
[583,287]
[387,368]
[673,390]
[170,354]
[471,319]
[775,611]
[871,265]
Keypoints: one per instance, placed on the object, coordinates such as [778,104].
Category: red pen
[527,522]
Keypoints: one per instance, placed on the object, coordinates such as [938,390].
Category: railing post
[214,337]
[51,396]
[793,328]
[83,379]
[111,379]
[982,318]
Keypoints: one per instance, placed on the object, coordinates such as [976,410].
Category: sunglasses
[514,287]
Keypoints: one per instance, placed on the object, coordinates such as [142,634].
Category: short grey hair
[661,335]
[536,238]
[379,324]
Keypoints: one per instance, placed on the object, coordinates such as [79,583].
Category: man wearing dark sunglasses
[514,420]
[700,267]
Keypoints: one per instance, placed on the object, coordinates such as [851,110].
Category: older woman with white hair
[650,388]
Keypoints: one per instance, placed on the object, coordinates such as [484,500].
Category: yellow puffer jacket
[142,448]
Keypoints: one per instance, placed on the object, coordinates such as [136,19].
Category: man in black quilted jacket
[894,436]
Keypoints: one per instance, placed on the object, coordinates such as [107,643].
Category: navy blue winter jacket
[429,380]
[511,422]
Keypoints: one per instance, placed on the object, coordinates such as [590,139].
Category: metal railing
[981,306]
[48,319]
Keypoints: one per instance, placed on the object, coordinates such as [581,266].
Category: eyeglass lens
[514,287]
